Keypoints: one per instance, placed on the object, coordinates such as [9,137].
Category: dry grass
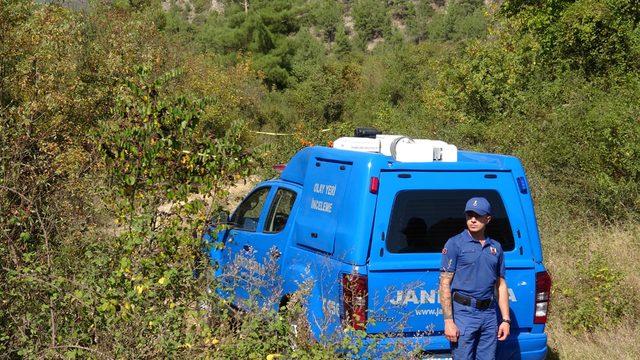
[566,243]
[622,342]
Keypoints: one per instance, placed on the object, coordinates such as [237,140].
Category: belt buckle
[461,299]
[483,304]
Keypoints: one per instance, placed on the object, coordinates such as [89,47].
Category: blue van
[363,224]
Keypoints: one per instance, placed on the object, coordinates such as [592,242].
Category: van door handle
[275,253]
[248,248]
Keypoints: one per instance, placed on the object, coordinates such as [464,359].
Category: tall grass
[596,273]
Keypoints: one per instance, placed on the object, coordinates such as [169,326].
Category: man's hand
[451,331]
[503,304]
[503,331]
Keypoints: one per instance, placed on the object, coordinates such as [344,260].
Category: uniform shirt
[476,267]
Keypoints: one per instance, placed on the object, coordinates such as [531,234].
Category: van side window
[248,213]
[423,220]
[280,211]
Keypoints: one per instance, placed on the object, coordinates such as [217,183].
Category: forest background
[110,109]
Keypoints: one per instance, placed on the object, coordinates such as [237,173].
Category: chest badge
[493,250]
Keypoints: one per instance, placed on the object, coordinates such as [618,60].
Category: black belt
[466,300]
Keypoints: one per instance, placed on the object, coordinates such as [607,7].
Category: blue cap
[478,205]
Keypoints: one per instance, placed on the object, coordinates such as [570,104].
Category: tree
[327,15]
[594,37]
[371,18]
[343,43]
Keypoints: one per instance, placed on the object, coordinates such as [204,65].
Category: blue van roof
[467,161]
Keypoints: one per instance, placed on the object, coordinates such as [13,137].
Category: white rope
[280,134]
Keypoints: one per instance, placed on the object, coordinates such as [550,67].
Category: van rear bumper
[524,346]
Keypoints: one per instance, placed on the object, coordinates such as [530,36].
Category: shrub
[593,37]
[327,15]
[371,19]
[460,20]
[598,299]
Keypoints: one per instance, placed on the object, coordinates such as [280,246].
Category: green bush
[371,19]
[417,18]
[460,20]
[575,128]
[593,37]
[598,299]
[327,15]
[590,143]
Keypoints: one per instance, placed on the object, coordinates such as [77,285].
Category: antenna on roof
[365,132]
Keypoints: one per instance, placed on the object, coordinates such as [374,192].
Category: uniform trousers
[478,332]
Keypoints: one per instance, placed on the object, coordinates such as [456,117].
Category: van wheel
[282,307]
[295,311]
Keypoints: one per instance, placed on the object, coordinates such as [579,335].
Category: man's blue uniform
[477,269]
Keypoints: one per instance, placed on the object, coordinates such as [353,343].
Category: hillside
[109,110]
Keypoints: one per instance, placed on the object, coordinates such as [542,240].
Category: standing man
[472,268]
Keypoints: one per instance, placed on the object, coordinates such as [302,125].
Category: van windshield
[423,220]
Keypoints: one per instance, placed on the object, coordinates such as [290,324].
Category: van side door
[257,243]
[238,265]
[270,244]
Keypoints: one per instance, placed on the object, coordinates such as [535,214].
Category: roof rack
[399,147]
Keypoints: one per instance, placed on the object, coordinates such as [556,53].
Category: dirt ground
[239,191]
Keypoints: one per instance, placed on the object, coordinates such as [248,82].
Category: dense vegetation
[123,123]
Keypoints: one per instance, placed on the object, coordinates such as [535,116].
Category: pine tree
[343,43]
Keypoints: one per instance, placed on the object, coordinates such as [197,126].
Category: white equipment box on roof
[401,148]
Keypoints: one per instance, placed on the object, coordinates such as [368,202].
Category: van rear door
[417,211]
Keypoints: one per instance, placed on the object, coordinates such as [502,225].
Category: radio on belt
[401,148]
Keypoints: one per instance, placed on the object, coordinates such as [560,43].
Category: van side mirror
[222,217]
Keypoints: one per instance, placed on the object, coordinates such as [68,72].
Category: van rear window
[423,220]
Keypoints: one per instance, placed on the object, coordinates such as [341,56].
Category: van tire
[300,325]
[284,301]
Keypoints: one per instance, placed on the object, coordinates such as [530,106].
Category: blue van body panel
[372,163]
[338,226]
[529,213]
[319,281]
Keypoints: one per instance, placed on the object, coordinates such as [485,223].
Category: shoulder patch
[444,251]
[494,251]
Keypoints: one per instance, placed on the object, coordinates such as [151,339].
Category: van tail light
[354,300]
[374,185]
[543,295]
